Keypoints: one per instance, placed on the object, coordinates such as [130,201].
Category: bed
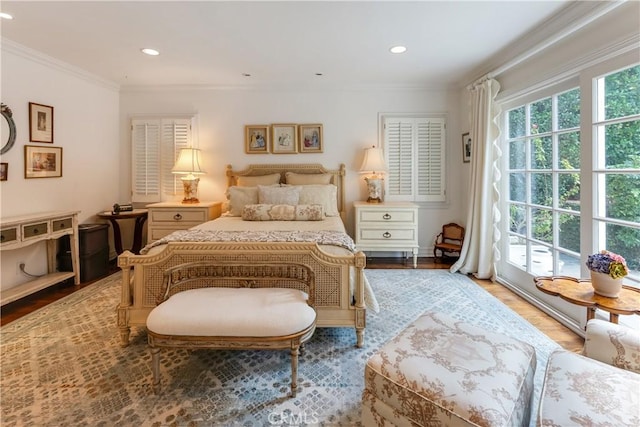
[342,293]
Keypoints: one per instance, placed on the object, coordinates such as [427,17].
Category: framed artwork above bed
[284,139]
[310,138]
[256,139]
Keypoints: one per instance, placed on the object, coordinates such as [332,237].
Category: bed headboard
[337,176]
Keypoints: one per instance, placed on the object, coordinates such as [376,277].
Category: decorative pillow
[278,195]
[282,213]
[293,178]
[252,181]
[239,197]
[325,195]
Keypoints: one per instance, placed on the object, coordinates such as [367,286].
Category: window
[414,149]
[155,147]
[543,174]
[616,165]
[573,176]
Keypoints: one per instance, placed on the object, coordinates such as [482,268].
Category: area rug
[63,366]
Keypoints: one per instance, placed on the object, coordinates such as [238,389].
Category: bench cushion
[233,312]
[440,371]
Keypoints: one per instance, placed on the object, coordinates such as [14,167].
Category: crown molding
[288,88]
[569,20]
[17,49]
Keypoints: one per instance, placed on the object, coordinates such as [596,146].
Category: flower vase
[605,285]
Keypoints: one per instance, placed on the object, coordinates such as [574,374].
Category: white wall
[85,126]
[350,124]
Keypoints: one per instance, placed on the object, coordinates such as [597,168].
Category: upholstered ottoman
[440,371]
[601,387]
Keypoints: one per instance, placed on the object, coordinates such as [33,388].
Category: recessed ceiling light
[398,49]
[151,52]
[5,15]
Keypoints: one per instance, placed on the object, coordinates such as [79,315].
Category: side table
[139,215]
[580,292]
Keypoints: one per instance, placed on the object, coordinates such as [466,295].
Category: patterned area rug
[62,365]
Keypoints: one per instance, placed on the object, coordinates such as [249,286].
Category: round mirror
[8,129]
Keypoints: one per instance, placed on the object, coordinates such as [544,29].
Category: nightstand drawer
[367,235]
[180,215]
[387,216]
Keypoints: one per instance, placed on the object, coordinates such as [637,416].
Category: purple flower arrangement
[608,263]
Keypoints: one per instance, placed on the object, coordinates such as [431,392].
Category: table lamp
[373,163]
[189,164]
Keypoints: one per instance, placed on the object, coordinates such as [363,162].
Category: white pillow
[239,197]
[278,195]
[325,195]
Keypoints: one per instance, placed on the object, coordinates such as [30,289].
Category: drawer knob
[386,235]
[1,237]
[177,217]
[35,230]
[386,216]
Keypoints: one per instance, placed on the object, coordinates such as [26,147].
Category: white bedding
[235,223]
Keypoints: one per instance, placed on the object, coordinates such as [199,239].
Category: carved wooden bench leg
[294,368]
[155,367]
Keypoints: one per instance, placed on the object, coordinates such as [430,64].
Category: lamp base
[190,190]
[375,187]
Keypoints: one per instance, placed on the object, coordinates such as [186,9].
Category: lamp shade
[189,162]
[373,161]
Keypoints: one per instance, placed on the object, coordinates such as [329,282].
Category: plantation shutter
[414,153]
[155,146]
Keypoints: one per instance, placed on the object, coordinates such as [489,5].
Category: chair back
[452,231]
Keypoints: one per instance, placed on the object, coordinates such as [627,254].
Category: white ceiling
[213,43]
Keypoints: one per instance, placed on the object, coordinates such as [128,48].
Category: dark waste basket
[93,241]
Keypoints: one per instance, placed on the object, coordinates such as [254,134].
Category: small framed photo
[284,139]
[466,147]
[40,123]
[310,138]
[4,171]
[256,139]
[42,162]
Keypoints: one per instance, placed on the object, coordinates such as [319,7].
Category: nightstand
[167,217]
[387,226]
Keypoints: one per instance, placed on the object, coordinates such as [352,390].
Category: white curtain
[479,251]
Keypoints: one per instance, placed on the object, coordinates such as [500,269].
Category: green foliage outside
[622,151]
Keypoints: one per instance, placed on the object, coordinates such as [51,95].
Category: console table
[580,292]
[22,231]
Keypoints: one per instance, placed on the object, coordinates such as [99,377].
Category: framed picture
[310,138]
[40,123]
[256,139]
[4,171]
[284,139]
[42,162]
[466,147]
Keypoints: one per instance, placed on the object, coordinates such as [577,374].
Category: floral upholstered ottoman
[440,371]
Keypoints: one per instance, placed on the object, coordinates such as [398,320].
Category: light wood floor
[549,326]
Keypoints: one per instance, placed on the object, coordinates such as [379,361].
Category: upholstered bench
[221,315]
[440,371]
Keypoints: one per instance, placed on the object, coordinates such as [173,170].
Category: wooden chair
[449,240]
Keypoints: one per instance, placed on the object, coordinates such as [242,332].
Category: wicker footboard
[339,291]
